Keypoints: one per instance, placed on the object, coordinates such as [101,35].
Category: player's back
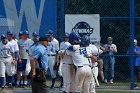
[78,56]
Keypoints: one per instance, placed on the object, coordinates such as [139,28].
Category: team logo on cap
[83,28]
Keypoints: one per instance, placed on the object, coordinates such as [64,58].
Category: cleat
[111,81]
[2,88]
[52,87]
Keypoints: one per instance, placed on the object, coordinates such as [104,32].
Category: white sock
[18,82]
[25,82]
[21,81]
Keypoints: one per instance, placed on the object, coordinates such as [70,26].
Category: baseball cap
[43,38]
[25,32]
[9,32]
[50,32]
[3,36]
[135,41]
[110,38]
[35,34]
[20,33]
[66,35]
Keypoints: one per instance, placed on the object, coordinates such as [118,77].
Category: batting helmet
[74,36]
[3,36]
[85,41]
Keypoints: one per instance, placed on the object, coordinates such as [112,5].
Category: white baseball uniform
[16,49]
[6,59]
[68,70]
[24,46]
[83,76]
[95,51]
[52,47]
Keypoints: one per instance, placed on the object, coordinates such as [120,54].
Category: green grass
[117,84]
[116,92]
[2,92]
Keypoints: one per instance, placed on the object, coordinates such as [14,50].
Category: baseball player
[12,40]
[35,35]
[7,60]
[20,35]
[24,45]
[29,50]
[53,48]
[68,68]
[94,64]
[95,51]
[80,59]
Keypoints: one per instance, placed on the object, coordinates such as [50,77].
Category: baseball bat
[95,78]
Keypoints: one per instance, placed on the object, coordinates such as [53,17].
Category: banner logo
[83,28]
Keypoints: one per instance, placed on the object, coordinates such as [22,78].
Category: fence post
[62,17]
[131,44]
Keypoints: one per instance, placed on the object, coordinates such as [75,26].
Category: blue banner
[31,15]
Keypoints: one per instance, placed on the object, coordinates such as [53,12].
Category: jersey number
[82,51]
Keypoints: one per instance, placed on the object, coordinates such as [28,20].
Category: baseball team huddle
[76,58]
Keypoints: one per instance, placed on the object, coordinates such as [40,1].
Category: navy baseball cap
[3,36]
[66,35]
[25,32]
[50,32]
[35,34]
[20,33]
[9,32]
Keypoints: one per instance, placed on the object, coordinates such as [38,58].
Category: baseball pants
[7,67]
[51,63]
[68,73]
[83,79]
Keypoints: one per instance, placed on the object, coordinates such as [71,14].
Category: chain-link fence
[114,22]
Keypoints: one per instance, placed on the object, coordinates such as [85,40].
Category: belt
[80,66]
[50,55]
[68,64]
[83,66]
